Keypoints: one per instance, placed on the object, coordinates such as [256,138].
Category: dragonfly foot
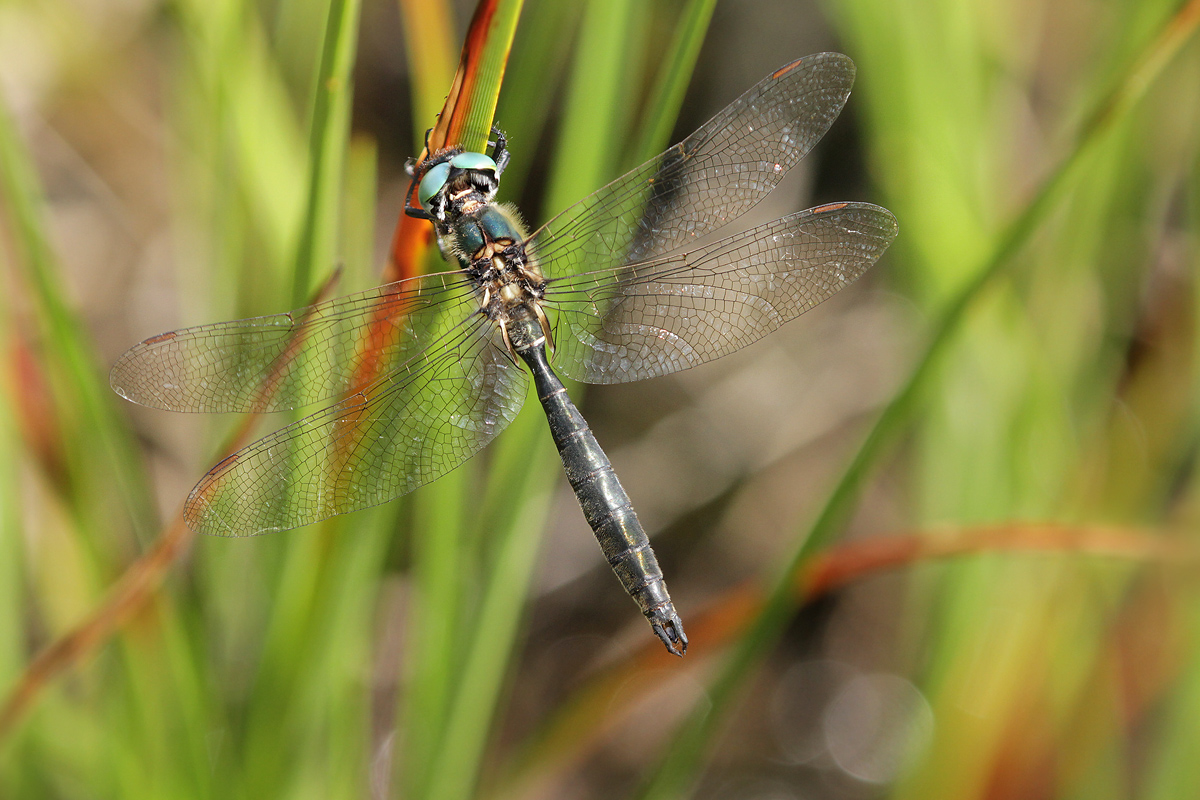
[669,628]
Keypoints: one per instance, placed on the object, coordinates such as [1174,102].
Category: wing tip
[119,379]
[888,224]
[831,57]
[127,378]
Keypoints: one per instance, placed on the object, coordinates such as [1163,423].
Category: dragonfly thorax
[490,246]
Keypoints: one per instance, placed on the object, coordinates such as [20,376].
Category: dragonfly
[623,285]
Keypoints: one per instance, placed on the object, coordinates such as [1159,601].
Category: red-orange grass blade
[465,119]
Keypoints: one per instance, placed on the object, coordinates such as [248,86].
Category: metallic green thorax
[489,244]
[495,224]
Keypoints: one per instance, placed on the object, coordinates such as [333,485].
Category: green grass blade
[466,116]
[12,636]
[596,106]
[429,43]
[541,52]
[328,132]
[443,575]
[240,163]
[491,60]
[512,537]
[670,86]
[358,216]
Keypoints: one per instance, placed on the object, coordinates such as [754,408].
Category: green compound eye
[473,161]
[432,183]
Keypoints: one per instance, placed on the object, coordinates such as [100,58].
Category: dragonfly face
[424,372]
[457,182]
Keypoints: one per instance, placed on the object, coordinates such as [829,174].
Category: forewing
[406,429]
[289,360]
[674,312]
[711,177]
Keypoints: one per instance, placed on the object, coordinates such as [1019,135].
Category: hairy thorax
[490,245]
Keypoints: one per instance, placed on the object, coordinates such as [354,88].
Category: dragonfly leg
[545,323]
[409,209]
[512,353]
[500,152]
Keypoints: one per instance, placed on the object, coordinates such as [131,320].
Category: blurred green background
[1018,374]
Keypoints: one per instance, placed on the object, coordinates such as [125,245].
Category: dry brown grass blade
[854,560]
[600,706]
[136,586]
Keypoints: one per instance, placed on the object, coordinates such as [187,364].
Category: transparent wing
[289,360]
[415,424]
[671,313]
[711,177]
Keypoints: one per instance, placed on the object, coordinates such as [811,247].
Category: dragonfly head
[458,183]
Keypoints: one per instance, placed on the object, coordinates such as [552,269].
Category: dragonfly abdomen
[606,506]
